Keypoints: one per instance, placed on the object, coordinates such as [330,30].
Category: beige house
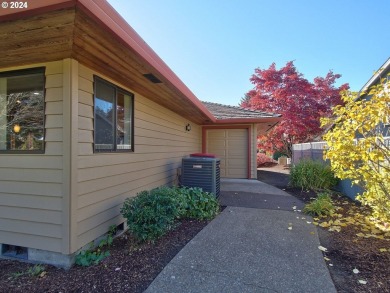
[90,115]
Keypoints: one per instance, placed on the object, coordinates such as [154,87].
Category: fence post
[300,158]
[311,151]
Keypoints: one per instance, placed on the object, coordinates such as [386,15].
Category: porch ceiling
[78,33]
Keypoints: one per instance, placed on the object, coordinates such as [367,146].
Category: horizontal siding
[54,148]
[30,227]
[100,200]
[31,201]
[85,123]
[99,216]
[98,229]
[85,110]
[53,135]
[53,94]
[54,107]
[85,98]
[29,214]
[101,172]
[85,136]
[106,179]
[85,113]
[30,161]
[31,240]
[106,159]
[54,121]
[36,188]
[122,183]
[31,187]
[31,175]
[85,148]
[54,81]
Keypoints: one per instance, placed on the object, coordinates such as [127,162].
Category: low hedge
[152,213]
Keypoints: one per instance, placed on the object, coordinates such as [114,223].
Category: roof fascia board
[248,120]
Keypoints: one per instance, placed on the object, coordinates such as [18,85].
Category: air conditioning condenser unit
[201,171]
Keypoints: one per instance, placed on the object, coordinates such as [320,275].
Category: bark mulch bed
[346,251]
[131,267]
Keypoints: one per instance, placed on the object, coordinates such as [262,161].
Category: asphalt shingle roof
[234,112]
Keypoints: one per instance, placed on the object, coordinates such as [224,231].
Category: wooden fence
[315,151]
[309,150]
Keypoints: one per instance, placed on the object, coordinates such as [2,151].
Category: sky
[214,46]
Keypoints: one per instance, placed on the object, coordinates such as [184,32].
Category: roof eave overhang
[102,12]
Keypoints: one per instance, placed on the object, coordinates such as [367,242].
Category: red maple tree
[285,91]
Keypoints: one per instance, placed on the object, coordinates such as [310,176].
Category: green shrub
[198,203]
[152,213]
[321,206]
[309,174]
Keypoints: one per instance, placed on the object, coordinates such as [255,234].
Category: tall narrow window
[22,110]
[113,118]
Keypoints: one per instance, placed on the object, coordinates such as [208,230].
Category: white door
[231,146]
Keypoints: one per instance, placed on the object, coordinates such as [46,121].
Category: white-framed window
[22,111]
[113,118]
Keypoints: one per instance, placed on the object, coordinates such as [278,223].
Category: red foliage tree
[285,91]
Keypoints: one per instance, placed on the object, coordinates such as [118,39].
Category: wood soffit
[71,33]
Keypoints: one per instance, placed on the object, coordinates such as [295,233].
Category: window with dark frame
[113,114]
[22,111]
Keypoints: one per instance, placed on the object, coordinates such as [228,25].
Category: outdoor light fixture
[188,127]
[16,128]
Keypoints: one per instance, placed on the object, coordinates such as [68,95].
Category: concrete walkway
[250,248]
[256,194]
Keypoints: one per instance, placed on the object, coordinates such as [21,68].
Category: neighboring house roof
[94,34]
[380,73]
[225,112]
